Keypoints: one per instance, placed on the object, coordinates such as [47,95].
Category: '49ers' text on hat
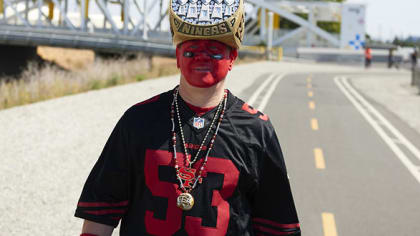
[221,20]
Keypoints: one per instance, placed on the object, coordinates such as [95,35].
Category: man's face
[204,63]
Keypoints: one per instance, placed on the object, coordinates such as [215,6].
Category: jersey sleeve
[273,208]
[105,195]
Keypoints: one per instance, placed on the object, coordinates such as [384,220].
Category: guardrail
[415,80]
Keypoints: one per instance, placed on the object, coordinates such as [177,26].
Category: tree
[329,26]
[333,0]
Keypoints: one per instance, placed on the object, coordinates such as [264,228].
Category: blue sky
[389,18]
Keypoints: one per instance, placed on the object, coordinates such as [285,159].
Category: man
[414,58]
[390,58]
[368,57]
[195,160]
[413,66]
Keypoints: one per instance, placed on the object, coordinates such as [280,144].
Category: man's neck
[201,97]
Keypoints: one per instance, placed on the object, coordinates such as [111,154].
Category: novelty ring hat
[221,20]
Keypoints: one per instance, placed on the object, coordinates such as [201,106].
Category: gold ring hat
[221,20]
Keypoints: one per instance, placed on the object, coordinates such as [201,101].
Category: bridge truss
[125,25]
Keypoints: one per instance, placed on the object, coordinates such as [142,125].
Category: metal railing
[107,25]
[131,25]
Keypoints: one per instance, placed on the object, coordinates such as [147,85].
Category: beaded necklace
[187,175]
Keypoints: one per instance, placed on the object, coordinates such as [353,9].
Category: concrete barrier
[334,55]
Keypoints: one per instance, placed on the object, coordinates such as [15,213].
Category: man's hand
[91,227]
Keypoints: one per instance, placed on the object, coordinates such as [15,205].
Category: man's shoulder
[150,107]
[244,111]
[155,100]
[249,122]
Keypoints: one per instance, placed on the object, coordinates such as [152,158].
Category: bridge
[138,25]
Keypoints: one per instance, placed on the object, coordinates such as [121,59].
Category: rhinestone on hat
[204,12]
[229,2]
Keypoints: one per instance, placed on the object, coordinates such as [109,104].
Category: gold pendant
[185,201]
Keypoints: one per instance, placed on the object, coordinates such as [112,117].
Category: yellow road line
[319,158]
[312,105]
[310,94]
[328,222]
[314,124]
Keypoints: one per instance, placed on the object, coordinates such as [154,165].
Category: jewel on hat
[221,20]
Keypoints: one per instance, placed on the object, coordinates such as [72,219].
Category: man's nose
[202,55]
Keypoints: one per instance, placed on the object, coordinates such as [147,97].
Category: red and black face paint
[204,63]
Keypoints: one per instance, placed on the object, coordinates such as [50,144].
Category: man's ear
[233,56]
[177,53]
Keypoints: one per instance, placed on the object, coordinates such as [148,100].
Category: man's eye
[214,56]
[217,56]
[188,54]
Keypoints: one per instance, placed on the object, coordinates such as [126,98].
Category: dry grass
[68,58]
[81,73]
[37,84]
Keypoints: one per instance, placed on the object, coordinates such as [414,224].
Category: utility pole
[270,35]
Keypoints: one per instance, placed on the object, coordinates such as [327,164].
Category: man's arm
[104,199]
[273,208]
[90,227]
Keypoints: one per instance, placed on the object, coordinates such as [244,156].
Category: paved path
[48,148]
[352,173]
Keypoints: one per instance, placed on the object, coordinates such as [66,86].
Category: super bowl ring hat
[221,20]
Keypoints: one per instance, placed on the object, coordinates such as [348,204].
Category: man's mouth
[202,69]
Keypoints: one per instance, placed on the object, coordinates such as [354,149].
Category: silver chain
[191,162]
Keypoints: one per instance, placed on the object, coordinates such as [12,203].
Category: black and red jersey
[245,189]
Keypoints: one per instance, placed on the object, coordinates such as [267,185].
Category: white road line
[351,94]
[384,122]
[396,141]
[257,92]
[270,92]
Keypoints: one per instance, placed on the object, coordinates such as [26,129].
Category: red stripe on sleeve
[105,212]
[271,231]
[272,223]
[102,204]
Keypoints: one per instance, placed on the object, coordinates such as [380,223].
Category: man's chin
[205,83]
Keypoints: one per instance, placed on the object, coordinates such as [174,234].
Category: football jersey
[244,191]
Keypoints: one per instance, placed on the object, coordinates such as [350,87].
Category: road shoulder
[394,93]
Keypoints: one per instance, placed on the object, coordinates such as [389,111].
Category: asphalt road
[369,186]
[353,165]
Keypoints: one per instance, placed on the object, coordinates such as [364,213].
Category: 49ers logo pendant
[185,201]
[187,175]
